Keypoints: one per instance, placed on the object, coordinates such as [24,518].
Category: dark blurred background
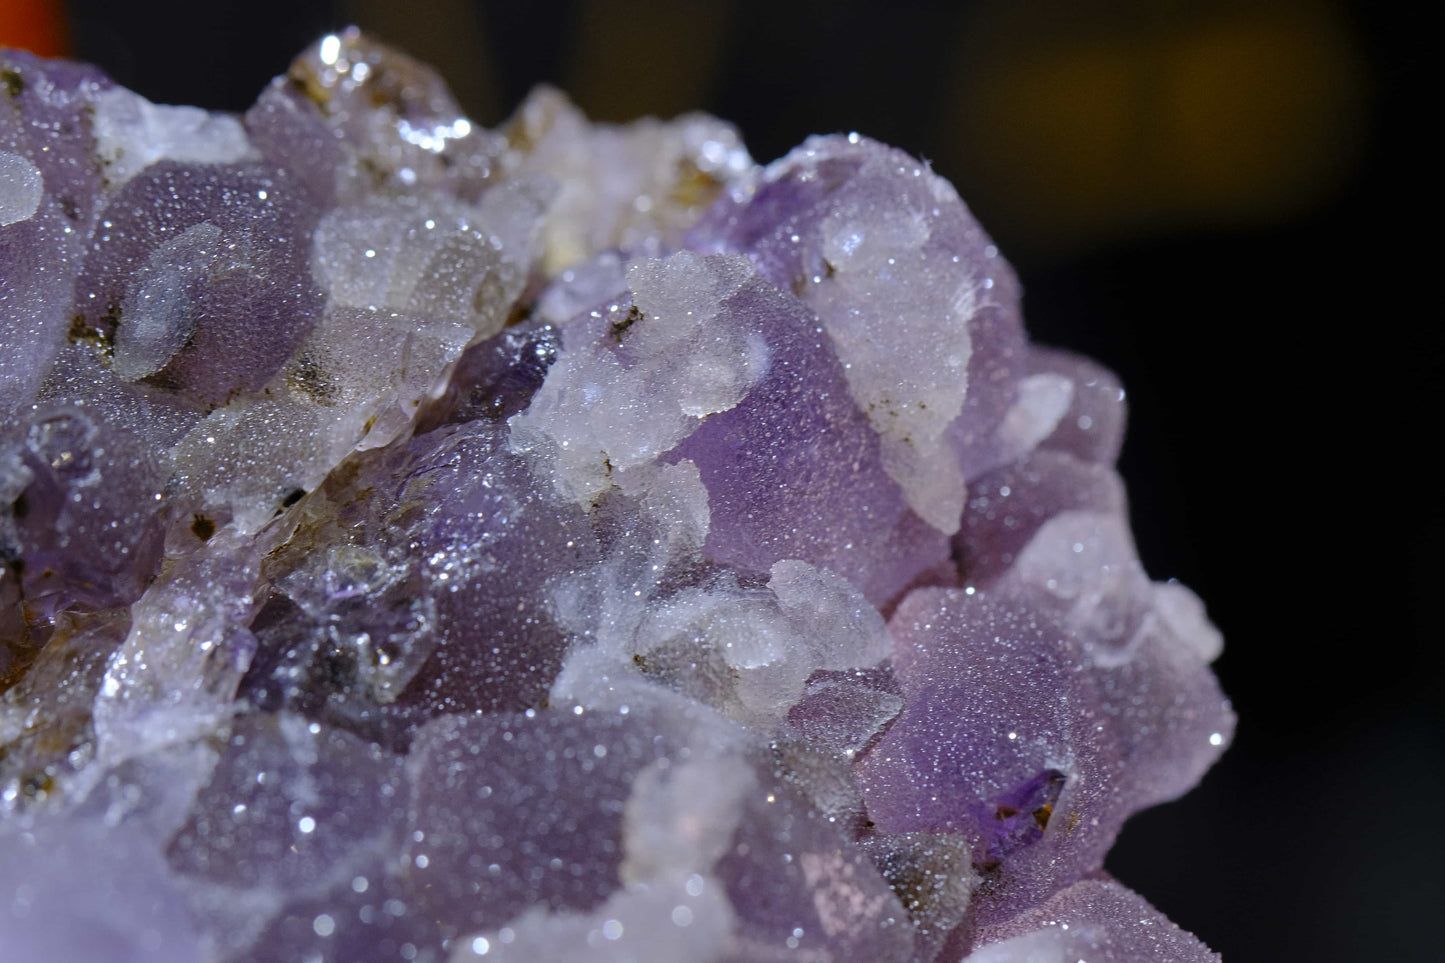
[1220,200]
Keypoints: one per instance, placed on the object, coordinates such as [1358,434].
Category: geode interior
[562,542]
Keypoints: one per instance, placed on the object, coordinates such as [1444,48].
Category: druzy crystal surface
[559,542]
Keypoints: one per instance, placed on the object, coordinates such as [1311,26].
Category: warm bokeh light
[34,25]
[1075,133]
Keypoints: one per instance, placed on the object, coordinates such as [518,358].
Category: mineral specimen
[564,542]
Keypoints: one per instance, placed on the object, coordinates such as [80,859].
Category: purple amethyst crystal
[198,279]
[563,542]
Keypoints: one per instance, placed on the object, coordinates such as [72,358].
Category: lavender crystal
[563,542]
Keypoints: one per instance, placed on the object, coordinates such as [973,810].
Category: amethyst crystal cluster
[563,542]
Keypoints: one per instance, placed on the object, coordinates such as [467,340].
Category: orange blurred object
[34,25]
